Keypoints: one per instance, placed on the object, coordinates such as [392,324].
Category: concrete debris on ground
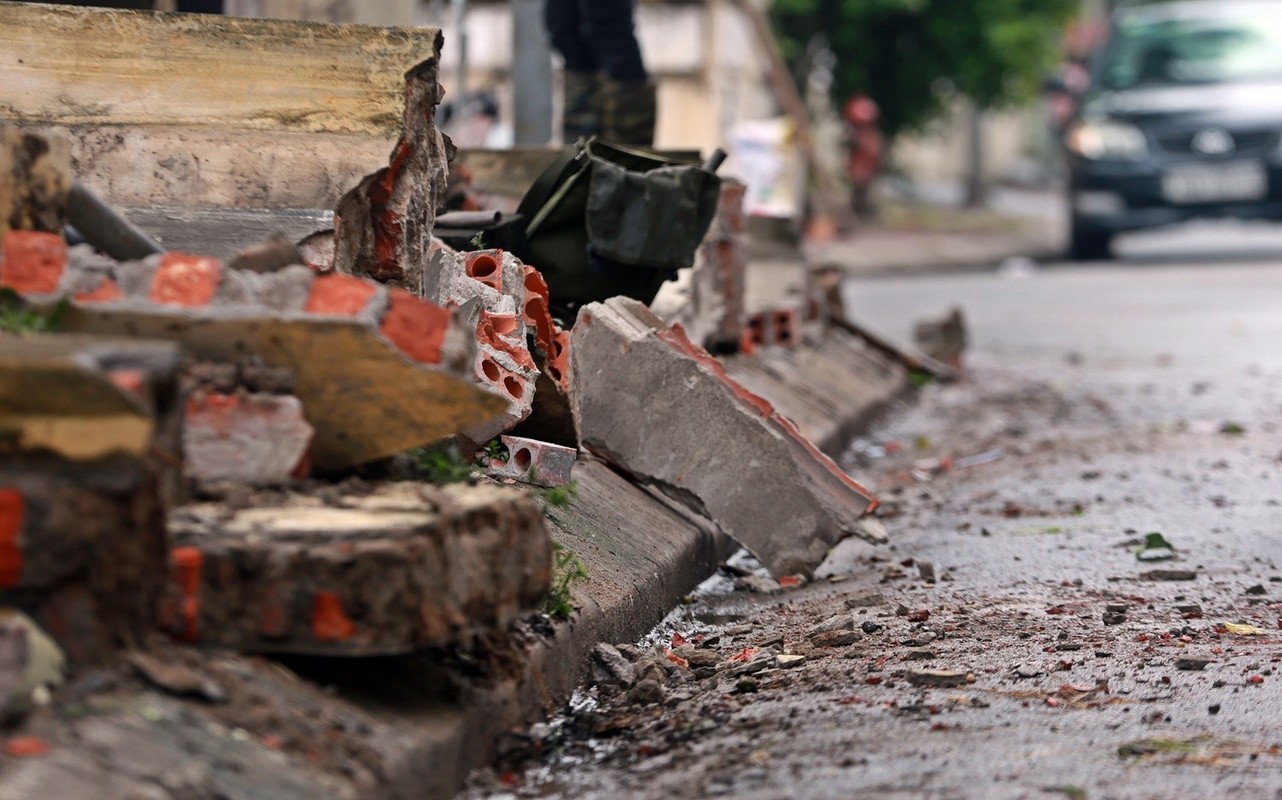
[263,386]
[711,444]
[540,463]
[383,226]
[91,467]
[365,358]
[390,571]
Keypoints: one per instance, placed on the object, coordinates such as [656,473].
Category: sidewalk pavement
[932,236]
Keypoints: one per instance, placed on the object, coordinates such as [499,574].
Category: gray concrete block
[649,401]
[399,569]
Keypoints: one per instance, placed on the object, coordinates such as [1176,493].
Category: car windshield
[1182,50]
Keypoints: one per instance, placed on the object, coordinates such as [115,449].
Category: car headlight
[1107,139]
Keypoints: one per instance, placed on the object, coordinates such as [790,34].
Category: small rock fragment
[1027,671]
[1114,619]
[629,651]
[836,638]
[647,692]
[699,659]
[921,615]
[763,660]
[787,661]
[927,571]
[1257,590]
[1169,575]
[1116,608]
[841,622]
[758,584]
[613,667]
[870,627]
[747,685]
[866,600]
[938,678]
[1192,664]
[177,679]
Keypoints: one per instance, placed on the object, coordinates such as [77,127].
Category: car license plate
[1216,183]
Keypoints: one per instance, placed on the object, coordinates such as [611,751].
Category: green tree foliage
[905,54]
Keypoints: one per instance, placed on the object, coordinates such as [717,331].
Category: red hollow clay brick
[329,622]
[187,563]
[185,280]
[486,268]
[345,295]
[33,261]
[107,291]
[416,326]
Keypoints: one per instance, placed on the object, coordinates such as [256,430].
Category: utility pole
[531,75]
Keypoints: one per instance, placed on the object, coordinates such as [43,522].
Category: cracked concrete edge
[924,255]
[643,554]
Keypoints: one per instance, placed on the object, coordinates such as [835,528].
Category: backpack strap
[544,186]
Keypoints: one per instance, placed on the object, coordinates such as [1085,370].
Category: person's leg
[566,29]
[628,97]
[613,39]
[581,81]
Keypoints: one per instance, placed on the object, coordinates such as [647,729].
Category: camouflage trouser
[628,112]
[622,112]
[581,116]
[607,91]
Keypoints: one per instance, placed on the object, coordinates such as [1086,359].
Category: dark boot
[581,116]
[628,113]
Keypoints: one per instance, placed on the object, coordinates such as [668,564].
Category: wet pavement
[1011,643]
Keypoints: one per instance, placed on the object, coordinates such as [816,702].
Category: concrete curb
[414,726]
[643,554]
[882,256]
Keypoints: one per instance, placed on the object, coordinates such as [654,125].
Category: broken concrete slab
[662,409]
[383,226]
[378,370]
[91,470]
[535,462]
[258,439]
[83,397]
[402,568]
[130,747]
[845,383]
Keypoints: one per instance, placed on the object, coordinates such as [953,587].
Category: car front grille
[1250,142]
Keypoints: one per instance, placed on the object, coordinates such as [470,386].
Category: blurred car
[1183,120]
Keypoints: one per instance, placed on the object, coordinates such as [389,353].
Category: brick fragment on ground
[662,409]
[488,287]
[84,488]
[258,439]
[532,461]
[378,370]
[383,226]
[710,304]
[399,569]
[32,262]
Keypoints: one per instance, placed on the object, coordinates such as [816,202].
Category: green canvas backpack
[604,220]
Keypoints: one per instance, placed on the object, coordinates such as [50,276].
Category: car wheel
[1089,244]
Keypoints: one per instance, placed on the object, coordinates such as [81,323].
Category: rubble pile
[204,453]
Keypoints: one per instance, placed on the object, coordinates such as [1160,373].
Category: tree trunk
[974,156]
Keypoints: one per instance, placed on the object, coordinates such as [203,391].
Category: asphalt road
[1102,403]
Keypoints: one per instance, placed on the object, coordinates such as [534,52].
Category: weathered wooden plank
[85,66]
